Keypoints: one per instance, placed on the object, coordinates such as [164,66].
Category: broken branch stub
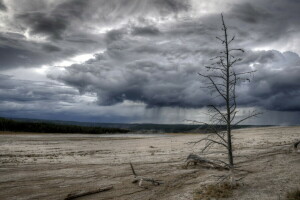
[296,144]
[141,179]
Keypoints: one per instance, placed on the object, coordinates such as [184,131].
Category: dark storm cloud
[250,13]
[172,5]
[158,72]
[265,22]
[151,71]
[153,83]
[35,34]
[17,52]
[14,90]
[71,9]
[55,22]
[49,100]
[2,6]
[162,71]
[51,31]
[146,31]
[114,11]
[40,23]
[51,48]
[275,86]
[12,57]
[33,99]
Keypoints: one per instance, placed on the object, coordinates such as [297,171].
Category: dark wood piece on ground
[296,144]
[85,193]
[140,179]
[195,159]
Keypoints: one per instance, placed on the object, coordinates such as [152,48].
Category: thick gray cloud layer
[12,90]
[275,85]
[2,6]
[151,50]
[157,82]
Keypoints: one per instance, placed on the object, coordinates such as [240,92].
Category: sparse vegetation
[215,191]
[293,194]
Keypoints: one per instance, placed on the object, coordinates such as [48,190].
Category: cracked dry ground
[50,166]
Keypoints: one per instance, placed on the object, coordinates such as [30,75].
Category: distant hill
[152,128]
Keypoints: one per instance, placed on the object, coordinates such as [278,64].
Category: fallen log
[195,159]
[85,193]
[141,179]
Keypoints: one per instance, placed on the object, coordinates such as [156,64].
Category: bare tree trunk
[230,155]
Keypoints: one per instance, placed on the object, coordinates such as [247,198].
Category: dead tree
[222,79]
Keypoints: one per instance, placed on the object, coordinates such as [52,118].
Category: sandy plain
[50,166]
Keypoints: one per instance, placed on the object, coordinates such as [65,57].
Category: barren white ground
[50,166]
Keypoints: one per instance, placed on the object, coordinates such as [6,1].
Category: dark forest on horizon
[49,126]
[44,127]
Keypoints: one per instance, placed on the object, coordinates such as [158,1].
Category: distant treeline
[43,127]
[138,128]
[181,128]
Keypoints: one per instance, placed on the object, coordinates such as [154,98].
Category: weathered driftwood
[141,179]
[85,193]
[195,159]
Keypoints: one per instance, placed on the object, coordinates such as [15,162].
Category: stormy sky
[137,61]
